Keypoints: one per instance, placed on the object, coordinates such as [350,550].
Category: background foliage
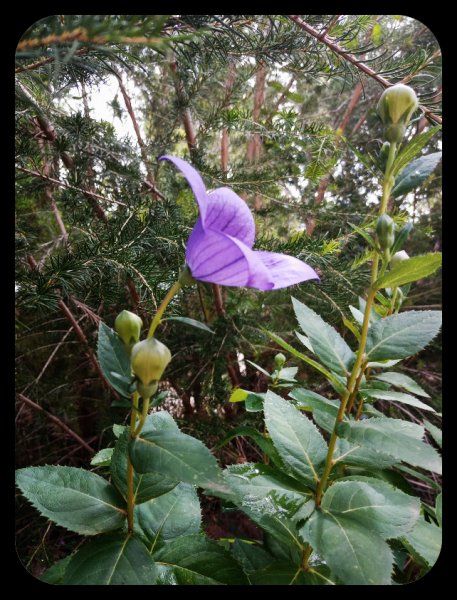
[254,102]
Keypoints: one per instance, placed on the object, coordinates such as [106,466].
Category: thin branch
[58,422]
[141,143]
[80,34]
[354,61]
[46,61]
[68,186]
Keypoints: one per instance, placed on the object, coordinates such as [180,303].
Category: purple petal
[218,258]
[194,179]
[228,213]
[286,270]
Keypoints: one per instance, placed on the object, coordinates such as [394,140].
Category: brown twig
[58,422]
[141,143]
[354,61]
[80,34]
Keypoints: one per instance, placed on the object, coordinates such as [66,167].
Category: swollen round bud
[128,326]
[385,232]
[399,257]
[395,108]
[280,359]
[149,360]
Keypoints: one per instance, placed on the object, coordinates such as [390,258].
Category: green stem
[144,414]
[130,473]
[359,365]
[156,320]
[306,554]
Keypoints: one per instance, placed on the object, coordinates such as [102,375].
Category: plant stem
[353,395]
[144,414]
[156,320]
[130,494]
[306,554]
[359,410]
[360,362]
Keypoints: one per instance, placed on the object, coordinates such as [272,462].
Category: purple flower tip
[219,249]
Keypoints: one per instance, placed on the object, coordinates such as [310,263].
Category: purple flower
[219,249]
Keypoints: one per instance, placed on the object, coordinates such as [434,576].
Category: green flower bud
[399,299]
[280,359]
[149,360]
[128,326]
[395,108]
[383,155]
[398,257]
[385,232]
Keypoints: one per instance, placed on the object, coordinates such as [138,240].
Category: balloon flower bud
[398,257]
[149,360]
[128,326]
[395,108]
[385,232]
[280,359]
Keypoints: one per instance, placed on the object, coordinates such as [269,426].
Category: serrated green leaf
[312,400]
[54,575]
[391,396]
[424,542]
[305,341]
[327,343]
[374,504]
[114,559]
[118,429]
[414,174]
[295,437]
[74,498]
[383,364]
[196,560]
[403,381]
[191,322]
[102,458]
[354,553]
[400,439]
[175,455]
[113,358]
[262,488]
[363,456]
[168,517]
[402,335]
[434,431]
[409,270]
[288,374]
[146,485]
[251,556]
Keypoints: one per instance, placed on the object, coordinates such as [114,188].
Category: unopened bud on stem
[128,327]
[149,360]
[395,107]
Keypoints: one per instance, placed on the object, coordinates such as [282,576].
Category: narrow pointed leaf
[403,381]
[391,396]
[191,322]
[327,343]
[424,542]
[414,174]
[409,270]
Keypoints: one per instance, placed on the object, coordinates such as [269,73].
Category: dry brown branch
[58,422]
